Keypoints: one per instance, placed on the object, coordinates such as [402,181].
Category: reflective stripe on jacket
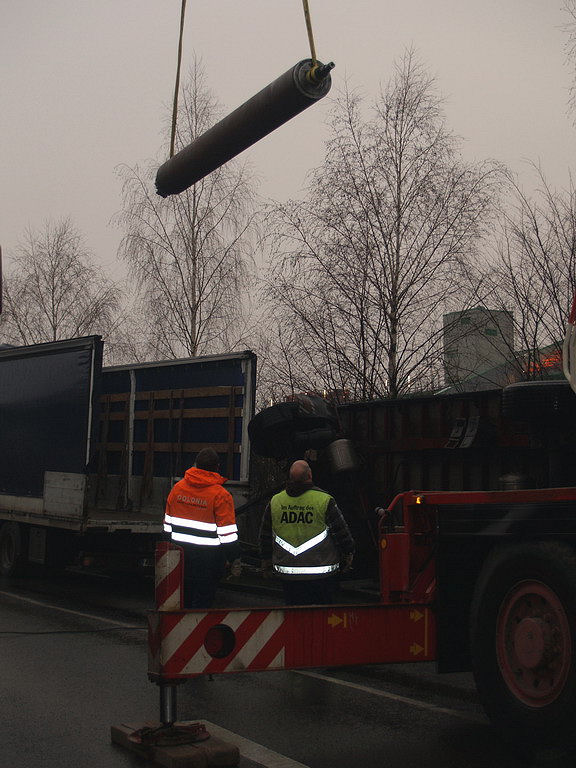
[302,544]
[200,511]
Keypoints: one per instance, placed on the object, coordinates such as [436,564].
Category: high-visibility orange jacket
[200,511]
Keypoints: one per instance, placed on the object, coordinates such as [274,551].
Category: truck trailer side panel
[46,397]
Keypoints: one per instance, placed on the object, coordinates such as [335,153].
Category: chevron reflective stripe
[185,522]
[303,547]
[259,642]
[295,570]
[167,528]
[168,576]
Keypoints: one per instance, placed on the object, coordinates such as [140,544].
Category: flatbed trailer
[88,453]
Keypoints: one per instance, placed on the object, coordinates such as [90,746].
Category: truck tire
[285,430]
[523,645]
[12,549]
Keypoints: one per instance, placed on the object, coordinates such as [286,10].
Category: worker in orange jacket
[200,517]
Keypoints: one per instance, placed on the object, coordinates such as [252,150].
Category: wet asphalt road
[70,672]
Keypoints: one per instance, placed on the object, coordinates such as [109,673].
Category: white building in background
[477,343]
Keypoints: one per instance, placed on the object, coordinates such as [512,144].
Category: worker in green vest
[305,540]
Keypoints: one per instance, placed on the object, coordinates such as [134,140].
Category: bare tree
[570,28]
[532,273]
[188,253]
[279,361]
[54,290]
[365,266]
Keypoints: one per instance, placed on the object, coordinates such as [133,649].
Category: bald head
[300,472]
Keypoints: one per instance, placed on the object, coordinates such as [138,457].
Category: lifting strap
[310,74]
[177,86]
[310,34]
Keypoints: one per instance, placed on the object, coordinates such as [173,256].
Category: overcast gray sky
[86,86]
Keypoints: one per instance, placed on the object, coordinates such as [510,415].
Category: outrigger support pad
[284,98]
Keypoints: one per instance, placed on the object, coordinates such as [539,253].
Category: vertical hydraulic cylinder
[168,704]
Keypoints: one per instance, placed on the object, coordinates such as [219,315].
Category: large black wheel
[12,550]
[523,643]
[286,430]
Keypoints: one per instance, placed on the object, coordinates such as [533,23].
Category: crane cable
[177,86]
[310,38]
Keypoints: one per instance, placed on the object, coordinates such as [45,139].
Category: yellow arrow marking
[416,615]
[415,649]
[334,620]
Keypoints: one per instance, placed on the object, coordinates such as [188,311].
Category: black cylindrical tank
[288,95]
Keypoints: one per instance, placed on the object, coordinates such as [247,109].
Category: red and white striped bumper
[185,644]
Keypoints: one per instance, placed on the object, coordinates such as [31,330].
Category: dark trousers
[310,591]
[203,569]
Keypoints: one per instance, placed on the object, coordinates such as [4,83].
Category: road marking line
[66,610]
[395,697]
[252,750]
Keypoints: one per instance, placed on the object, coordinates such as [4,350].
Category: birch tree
[569,9]
[188,253]
[366,264]
[532,273]
[54,290]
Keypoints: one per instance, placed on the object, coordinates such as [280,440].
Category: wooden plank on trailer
[169,447]
[186,413]
[232,413]
[168,394]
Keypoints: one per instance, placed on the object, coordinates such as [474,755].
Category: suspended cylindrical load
[291,93]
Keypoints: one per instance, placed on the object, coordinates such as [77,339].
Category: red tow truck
[499,566]
[480,577]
